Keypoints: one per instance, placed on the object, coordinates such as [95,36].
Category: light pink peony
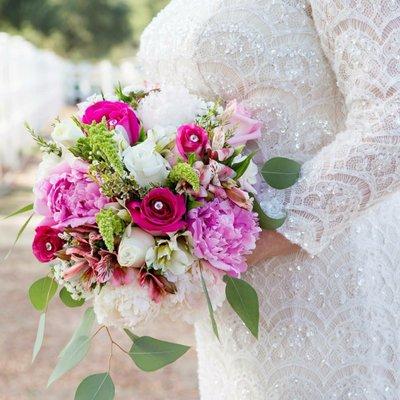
[224,234]
[246,128]
[68,197]
[116,113]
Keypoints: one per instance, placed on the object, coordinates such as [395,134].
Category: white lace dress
[324,77]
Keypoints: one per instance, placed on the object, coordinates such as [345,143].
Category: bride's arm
[362,166]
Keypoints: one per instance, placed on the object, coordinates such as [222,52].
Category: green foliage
[47,146]
[96,387]
[241,167]
[22,210]
[244,301]
[280,172]
[151,354]
[41,292]
[39,336]
[266,222]
[19,234]
[67,299]
[110,225]
[209,304]
[184,172]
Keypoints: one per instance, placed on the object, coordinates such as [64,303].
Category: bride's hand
[271,244]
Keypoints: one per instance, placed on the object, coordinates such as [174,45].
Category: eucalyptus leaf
[266,222]
[39,336]
[244,301]
[96,387]
[84,329]
[131,335]
[150,354]
[75,353]
[280,172]
[67,299]
[22,210]
[241,167]
[41,292]
[19,234]
[210,307]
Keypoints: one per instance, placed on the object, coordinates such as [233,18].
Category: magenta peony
[224,234]
[68,197]
[116,113]
[240,120]
[191,139]
[46,243]
[160,212]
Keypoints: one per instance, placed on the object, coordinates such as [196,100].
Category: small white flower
[249,179]
[66,133]
[133,247]
[172,254]
[162,136]
[146,165]
[49,161]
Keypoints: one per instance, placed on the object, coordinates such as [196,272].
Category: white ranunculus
[171,106]
[249,179]
[133,247]
[173,255]
[162,136]
[146,165]
[66,133]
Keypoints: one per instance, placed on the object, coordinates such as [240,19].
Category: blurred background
[53,54]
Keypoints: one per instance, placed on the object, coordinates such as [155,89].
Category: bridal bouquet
[147,205]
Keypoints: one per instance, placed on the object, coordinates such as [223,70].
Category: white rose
[121,138]
[66,133]
[162,136]
[133,247]
[145,164]
[249,179]
[173,255]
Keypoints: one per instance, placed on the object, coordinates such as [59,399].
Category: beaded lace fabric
[324,77]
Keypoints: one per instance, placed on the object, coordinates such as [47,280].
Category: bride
[324,77]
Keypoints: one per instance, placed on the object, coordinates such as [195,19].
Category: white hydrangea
[125,306]
[171,106]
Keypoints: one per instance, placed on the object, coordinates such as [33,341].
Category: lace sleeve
[361,39]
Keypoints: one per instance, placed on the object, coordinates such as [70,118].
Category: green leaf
[39,336]
[75,353]
[67,299]
[131,335]
[210,307]
[241,167]
[19,234]
[244,300]
[192,203]
[41,292]
[84,329]
[151,354]
[96,387]
[266,222]
[22,210]
[281,173]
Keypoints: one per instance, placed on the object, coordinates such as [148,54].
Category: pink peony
[116,113]
[68,197]
[224,234]
[160,212]
[191,139]
[241,122]
[46,243]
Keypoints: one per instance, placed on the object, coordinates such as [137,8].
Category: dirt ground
[19,379]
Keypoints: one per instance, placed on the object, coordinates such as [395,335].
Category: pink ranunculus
[245,127]
[46,243]
[224,234]
[116,113]
[191,139]
[68,197]
[160,212]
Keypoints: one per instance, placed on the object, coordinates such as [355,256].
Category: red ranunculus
[116,113]
[191,139]
[46,243]
[160,212]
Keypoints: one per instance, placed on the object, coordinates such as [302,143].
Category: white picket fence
[32,88]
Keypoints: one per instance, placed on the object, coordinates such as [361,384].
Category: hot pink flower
[191,139]
[240,120]
[224,234]
[160,212]
[68,197]
[46,243]
[116,113]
